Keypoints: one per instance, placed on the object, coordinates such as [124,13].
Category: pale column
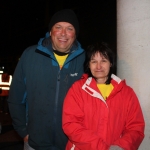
[133,50]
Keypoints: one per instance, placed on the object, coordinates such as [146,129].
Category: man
[42,78]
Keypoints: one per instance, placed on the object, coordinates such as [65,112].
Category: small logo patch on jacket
[75,74]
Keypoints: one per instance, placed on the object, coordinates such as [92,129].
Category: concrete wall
[133,50]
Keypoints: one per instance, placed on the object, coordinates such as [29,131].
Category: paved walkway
[9,139]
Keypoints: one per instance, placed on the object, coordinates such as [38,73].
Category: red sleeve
[134,128]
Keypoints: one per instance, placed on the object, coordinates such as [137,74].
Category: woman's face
[99,67]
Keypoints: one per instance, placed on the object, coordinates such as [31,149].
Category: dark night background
[23,23]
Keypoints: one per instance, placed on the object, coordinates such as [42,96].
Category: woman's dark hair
[103,49]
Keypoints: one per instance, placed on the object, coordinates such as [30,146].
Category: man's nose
[63,32]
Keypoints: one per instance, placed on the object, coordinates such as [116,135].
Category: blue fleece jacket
[39,81]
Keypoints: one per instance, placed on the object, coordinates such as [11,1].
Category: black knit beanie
[65,15]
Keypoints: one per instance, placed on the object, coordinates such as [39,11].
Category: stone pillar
[133,53]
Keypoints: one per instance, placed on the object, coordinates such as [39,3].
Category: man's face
[62,35]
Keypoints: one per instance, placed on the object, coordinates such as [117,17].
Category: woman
[101,112]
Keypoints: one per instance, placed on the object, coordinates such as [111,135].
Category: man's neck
[60,53]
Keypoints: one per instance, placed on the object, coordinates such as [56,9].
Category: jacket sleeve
[16,100]
[133,133]
[73,126]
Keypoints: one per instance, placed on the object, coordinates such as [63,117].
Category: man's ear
[50,33]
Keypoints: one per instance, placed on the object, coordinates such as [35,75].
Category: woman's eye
[104,60]
[93,61]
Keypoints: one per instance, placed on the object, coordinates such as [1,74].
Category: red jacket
[91,123]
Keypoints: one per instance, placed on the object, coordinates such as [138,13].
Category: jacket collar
[90,87]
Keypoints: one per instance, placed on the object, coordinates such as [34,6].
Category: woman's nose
[98,65]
